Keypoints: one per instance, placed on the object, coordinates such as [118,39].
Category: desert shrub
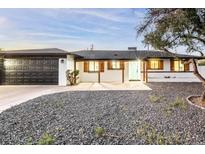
[151,135]
[29,141]
[156,99]
[179,103]
[46,139]
[72,76]
[59,104]
[99,131]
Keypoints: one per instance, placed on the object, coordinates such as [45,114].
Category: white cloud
[52,35]
[92,30]
[106,15]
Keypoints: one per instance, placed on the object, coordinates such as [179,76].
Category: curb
[203,108]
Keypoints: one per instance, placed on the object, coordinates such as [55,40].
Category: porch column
[99,76]
[145,73]
[75,69]
[122,66]
[123,75]
[143,70]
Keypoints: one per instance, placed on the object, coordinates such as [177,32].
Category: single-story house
[48,66]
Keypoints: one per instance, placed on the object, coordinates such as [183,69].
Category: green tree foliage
[166,29]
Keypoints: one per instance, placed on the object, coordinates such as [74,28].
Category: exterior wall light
[62,61]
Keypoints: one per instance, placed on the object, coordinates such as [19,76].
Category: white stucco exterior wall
[174,76]
[70,62]
[113,75]
[116,75]
[202,70]
[62,67]
[85,76]
[106,76]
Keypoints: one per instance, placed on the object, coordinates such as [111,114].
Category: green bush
[29,142]
[72,76]
[179,103]
[99,131]
[155,99]
[151,135]
[46,139]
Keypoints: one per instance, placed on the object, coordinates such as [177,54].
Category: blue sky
[70,29]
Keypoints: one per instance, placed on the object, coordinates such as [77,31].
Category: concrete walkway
[110,86]
[14,95]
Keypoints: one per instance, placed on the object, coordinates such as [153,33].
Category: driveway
[14,95]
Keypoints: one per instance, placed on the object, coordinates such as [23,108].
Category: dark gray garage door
[27,71]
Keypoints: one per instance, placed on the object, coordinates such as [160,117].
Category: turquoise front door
[134,70]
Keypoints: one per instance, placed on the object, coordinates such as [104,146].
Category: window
[201,62]
[115,64]
[178,65]
[93,66]
[155,64]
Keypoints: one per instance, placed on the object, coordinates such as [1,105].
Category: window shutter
[86,66]
[122,65]
[186,67]
[172,65]
[161,64]
[109,65]
[148,64]
[101,64]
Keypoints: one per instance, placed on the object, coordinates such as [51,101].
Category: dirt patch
[196,100]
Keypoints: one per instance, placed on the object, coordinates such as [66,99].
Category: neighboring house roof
[47,51]
[127,54]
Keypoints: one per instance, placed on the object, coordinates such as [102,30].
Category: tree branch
[196,72]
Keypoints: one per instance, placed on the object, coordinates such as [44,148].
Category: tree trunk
[201,78]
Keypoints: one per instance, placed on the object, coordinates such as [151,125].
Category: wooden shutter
[86,66]
[161,64]
[186,67]
[171,65]
[122,65]
[109,65]
[101,64]
[149,64]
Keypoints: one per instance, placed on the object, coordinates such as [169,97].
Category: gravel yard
[159,116]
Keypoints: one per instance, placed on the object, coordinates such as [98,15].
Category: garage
[31,67]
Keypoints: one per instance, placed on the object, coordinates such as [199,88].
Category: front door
[134,70]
